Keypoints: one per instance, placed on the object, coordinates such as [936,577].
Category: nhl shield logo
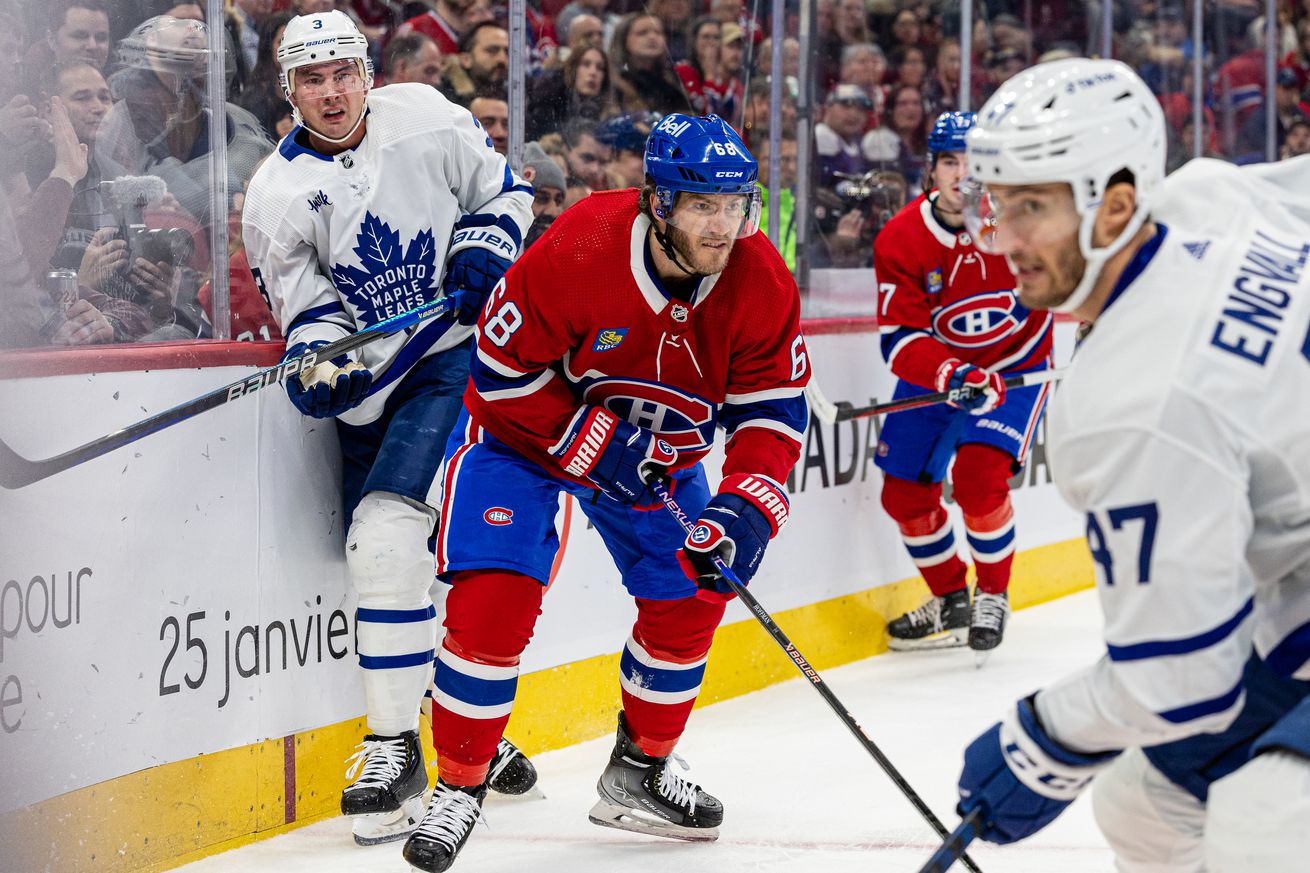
[347,161]
[679,313]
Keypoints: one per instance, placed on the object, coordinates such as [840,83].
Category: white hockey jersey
[340,243]
[1183,432]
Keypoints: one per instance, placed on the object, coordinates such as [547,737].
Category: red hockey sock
[662,667]
[982,489]
[927,532]
[489,619]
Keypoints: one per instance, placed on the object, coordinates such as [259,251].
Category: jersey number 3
[1146,513]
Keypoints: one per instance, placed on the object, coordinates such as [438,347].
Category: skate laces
[506,752]
[674,788]
[381,760]
[989,610]
[928,614]
[451,815]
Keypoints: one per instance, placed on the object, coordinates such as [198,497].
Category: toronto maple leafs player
[636,326]
[378,202]
[1181,432]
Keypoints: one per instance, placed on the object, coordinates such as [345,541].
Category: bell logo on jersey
[609,338]
[978,321]
[683,420]
[498,516]
[391,279]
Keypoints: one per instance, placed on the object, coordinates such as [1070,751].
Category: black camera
[171,245]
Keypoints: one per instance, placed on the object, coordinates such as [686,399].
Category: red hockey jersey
[939,297]
[581,319]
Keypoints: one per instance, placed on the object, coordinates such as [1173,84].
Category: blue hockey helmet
[701,155]
[949,132]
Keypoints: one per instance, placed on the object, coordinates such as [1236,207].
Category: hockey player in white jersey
[1182,433]
[378,202]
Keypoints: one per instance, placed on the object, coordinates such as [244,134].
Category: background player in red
[949,318]
[640,322]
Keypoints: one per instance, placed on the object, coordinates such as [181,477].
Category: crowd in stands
[105,121]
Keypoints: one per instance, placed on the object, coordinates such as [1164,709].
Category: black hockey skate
[941,623]
[987,623]
[641,793]
[511,772]
[387,795]
[445,828]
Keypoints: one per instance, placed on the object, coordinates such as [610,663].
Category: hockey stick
[662,492]
[832,413]
[953,848]
[17,471]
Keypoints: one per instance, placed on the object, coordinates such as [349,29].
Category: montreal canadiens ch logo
[498,516]
[978,321]
[683,420]
[701,535]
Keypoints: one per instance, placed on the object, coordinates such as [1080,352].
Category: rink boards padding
[176,632]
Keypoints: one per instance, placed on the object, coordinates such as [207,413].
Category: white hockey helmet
[1079,121]
[318,38]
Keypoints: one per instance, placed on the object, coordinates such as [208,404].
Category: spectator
[756,121]
[262,97]
[580,89]
[310,7]
[906,29]
[864,65]
[492,112]
[548,187]
[594,8]
[911,68]
[787,151]
[626,135]
[701,76]
[251,14]
[942,91]
[851,22]
[735,12]
[1288,109]
[1297,141]
[251,319]
[1009,33]
[827,46]
[1179,149]
[414,57]
[837,137]
[78,31]
[1168,52]
[907,119]
[791,56]
[586,156]
[732,55]
[1299,58]
[676,15]
[644,78]
[481,65]
[447,22]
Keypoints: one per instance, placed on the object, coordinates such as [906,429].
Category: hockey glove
[1020,777]
[615,456]
[473,267]
[736,525]
[972,388]
[330,388]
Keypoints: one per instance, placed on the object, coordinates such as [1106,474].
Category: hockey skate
[987,622]
[445,828]
[642,794]
[941,623]
[386,798]
[511,772]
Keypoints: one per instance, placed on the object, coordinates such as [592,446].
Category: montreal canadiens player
[948,319]
[1181,432]
[640,322]
[376,203]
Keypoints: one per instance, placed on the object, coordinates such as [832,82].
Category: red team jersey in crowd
[939,297]
[579,319]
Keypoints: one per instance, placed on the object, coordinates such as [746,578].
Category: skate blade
[611,815]
[953,639]
[387,827]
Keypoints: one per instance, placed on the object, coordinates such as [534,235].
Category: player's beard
[1061,278]
[697,257]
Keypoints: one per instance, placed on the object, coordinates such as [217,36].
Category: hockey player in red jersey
[949,318]
[640,322]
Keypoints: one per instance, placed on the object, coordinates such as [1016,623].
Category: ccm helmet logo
[701,535]
[729,174]
[498,516]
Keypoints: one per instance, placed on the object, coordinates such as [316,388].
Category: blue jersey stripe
[1294,650]
[486,379]
[793,412]
[392,662]
[1159,648]
[1193,711]
[470,689]
[416,348]
[395,616]
[315,313]
[893,339]
[657,679]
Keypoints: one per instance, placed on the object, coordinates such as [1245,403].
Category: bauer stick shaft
[17,471]
[762,615]
[832,413]
[953,848]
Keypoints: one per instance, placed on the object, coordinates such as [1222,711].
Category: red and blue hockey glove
[330,388]
[615,456]
[1022,778]
[736,525]
[481,251]
[972,388]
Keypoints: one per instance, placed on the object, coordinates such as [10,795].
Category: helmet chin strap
[1095,257]
[666,243]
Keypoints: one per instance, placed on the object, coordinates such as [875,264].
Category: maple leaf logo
[390,279]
